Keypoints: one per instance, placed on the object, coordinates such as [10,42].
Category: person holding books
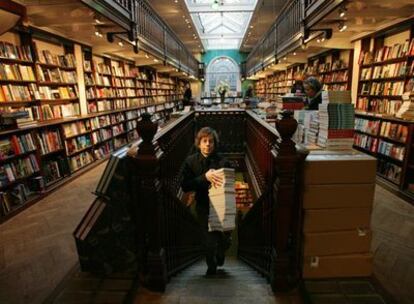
[199,174]
[313,89]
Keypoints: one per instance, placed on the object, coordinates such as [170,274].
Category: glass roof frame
[224,27]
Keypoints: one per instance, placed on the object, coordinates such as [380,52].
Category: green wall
[237,56]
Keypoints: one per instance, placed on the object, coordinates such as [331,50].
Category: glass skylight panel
[223,27]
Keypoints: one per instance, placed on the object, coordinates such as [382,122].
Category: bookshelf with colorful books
[58,92]
[19,165]
[386,69]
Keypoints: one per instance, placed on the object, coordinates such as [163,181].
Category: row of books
[9,50]
[100,121]
[46,74]
[335,77]
[13,198]
[15,145]
[367,126]
[54,170]
[398,50]
[18,169]
[101,135]
[10,92]
[76,128]
[51,112]
[118,129]
[394,131]
[78,143]
[67,60]
[378,105]
[104,150]
[392,150]
[389,171]
[392,70]
[366,142]
[49,141]
[16,72]
[336,65]
[388,88]
[61,92]
[80,160]
[100,106]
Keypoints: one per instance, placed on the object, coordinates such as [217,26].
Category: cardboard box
[326,220]
[337,243]
[338,196]
[337,266]
[351,168]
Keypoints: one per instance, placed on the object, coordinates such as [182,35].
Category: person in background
[199,175]
[249,92]
[313,90]
[187,96]
[297,87]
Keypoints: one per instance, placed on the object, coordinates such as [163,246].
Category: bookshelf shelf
[392,140]
[52,84]
[52,152]
[16,156]
[18,180]
[54,66]
[13,60]
[80,151]
[17,81]
[77,135]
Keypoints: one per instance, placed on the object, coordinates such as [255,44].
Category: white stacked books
[223,203]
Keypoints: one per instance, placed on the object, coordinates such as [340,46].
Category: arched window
[222,69]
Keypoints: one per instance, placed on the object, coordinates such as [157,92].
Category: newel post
[286,194]
[149,202]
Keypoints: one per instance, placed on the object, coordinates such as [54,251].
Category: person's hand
[214,178]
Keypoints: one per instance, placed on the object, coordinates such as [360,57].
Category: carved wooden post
[149,187]
[285,268]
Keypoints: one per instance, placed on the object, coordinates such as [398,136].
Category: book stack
[337,120]
[289,102]
[406,111]
[311,127]
[244,199]
[223,203]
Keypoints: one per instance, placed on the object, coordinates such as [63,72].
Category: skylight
[221,24]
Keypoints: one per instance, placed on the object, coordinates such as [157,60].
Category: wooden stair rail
[269,234]
[168,231]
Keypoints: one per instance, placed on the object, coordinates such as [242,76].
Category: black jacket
[315,101]
[194,179]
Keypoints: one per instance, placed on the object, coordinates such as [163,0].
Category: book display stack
[336,120]
[337,214]
[223,203]
[289,102]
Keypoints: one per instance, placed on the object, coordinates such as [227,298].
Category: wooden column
[149,203]
[287,208]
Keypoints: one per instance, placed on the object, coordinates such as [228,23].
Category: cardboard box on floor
[338,196]
[337,266]
[324,220]
[327,167]
[337,243]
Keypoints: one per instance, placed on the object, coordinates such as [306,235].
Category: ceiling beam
[206,8]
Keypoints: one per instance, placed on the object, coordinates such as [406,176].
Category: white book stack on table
[223,203]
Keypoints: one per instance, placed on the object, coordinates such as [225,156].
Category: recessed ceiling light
[120,43]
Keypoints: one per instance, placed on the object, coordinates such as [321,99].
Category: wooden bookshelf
[386,66]
[26,68]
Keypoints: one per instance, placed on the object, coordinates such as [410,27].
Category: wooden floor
[37,248]
[37,251]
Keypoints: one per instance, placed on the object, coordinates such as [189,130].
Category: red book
[341,133]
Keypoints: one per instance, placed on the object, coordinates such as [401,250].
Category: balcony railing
[288,31]
[145,25]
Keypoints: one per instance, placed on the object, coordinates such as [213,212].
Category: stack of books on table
[311,127]
[223,203]
[289,102]
[336,120]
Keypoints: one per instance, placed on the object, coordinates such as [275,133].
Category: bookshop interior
[207,151]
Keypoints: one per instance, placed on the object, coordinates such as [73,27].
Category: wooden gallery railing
[167,230]
[269,234]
